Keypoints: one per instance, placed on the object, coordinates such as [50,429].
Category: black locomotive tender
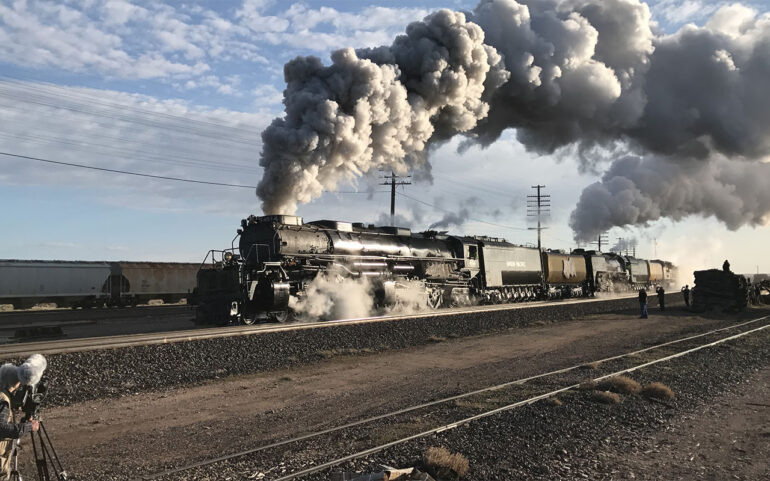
[278,255]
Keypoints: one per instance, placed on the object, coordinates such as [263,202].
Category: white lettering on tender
[516,264]
[569,268]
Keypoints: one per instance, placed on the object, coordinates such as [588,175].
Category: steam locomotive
[279,255]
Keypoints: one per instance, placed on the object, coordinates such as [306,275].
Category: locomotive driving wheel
[279,316]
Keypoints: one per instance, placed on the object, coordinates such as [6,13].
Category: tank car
[565,275]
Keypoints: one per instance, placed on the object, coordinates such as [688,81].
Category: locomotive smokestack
[583,73]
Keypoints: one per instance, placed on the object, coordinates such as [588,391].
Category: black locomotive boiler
[279,255]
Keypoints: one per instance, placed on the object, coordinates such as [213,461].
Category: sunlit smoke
[586,74]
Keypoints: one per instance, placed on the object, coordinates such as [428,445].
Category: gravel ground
[534,442]
[80,376]
[546,442]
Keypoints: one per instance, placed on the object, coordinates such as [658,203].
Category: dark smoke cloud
[636,191]
[587,75]
[467,209]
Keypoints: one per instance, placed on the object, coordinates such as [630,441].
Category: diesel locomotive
[279,255]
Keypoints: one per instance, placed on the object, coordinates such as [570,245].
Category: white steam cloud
[584,73]
[330,296]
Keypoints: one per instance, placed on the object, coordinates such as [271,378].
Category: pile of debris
[719,289]
[385,473]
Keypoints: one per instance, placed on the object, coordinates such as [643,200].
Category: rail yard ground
[716,427]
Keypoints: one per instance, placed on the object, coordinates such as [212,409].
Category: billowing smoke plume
[376,108]
[584,73]
[638,190]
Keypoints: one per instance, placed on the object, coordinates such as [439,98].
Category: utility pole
[602,239]
[537,205]
[621,245]
[394,181]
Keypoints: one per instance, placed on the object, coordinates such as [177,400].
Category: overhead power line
[81,96]
[161,177]
[119,116]
[126,172]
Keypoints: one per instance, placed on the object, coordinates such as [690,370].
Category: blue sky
[184,89]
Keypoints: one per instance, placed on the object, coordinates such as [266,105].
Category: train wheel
[280,316]
[249,320]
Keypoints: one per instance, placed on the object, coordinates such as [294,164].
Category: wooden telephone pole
[394,180]
[537,206]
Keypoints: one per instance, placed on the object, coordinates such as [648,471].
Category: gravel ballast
[81,376]
[545,441]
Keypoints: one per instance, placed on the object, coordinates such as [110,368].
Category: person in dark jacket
[726,266]
[643,303]
[10,431]
[661,297]
[686,295]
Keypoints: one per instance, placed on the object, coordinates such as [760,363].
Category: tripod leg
[40,458]
[61,474]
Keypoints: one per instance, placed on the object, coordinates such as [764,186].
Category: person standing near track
[643,303]
[661,297]
[686,295]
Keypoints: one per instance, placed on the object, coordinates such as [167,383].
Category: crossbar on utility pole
[394,181]
[602,239]
[537,205]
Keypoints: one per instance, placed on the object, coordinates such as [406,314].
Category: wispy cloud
[129,132]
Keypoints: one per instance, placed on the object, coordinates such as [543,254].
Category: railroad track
[57,315]
[131,340]
[546,385]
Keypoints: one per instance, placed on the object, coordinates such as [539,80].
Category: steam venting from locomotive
[688,111]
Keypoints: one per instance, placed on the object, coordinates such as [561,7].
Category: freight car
[25,283]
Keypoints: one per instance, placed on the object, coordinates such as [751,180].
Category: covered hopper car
[26,283]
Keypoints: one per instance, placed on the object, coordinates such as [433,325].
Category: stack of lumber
[719,290]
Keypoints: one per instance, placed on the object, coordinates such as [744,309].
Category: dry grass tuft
[620,384]
[588,385]
[606,397]
[592,365]
[437,339]
[553,401]
[442,463]
[657,390]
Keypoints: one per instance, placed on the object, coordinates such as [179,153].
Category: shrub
[657,390]
[606,397]
[619,384]
[442,463]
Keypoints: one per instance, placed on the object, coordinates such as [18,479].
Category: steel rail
[437,402]
[133,340]
[508,407]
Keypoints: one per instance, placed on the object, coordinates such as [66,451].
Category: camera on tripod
[31,398]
